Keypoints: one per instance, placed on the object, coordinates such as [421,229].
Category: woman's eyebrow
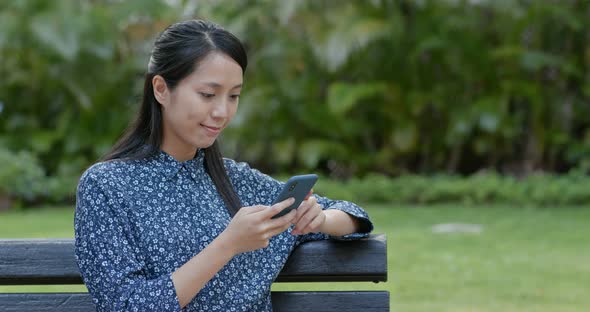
[216,85]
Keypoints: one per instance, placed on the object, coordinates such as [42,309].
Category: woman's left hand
[310,217]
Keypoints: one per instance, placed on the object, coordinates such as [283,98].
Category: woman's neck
[179,152]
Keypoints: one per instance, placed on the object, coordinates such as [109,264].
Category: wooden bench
[52,262]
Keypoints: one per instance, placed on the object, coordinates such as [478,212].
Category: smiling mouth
[213,130]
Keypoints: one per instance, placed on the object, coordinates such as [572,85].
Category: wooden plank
[37,302]
[36,262]
[349,301]
[338,261]
[331,301]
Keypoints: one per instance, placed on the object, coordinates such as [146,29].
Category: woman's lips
[212,130]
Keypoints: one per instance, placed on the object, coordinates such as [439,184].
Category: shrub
[23,181]
[21,176]
[483,188]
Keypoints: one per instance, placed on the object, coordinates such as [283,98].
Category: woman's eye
[206,95]
[235,96]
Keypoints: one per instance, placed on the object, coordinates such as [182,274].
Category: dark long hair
[176,54]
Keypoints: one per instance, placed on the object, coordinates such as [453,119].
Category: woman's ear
[161,92]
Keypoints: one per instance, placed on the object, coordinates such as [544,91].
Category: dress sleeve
[252,186]
[109,261]
[251,183]
[366,225]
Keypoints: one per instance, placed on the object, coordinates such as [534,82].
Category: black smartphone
[297,187]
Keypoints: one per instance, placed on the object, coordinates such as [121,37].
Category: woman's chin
[205,143]
[200,140]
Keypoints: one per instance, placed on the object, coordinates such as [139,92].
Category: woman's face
[201,105]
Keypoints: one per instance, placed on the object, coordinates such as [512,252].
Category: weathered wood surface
[37,262]
[346,301]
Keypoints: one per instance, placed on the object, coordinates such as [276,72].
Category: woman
[165,223]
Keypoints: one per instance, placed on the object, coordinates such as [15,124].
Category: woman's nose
[221,109]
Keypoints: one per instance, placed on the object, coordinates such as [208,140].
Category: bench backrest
[41,262]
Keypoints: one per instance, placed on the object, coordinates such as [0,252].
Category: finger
[266,243]
[308,217]
[276,208]
[252,209]
[285,220]
[279,230]
[314,225]
[304,208]
[309,201]
[309,194]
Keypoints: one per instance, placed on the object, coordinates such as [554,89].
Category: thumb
[253,209]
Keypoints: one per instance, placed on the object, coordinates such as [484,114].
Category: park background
[461,126]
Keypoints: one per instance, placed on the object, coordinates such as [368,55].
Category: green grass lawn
[524,259]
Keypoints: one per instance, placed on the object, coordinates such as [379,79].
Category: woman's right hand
[252,227]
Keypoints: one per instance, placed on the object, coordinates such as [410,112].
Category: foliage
[21,176]
[69,73]
[347,88]
[24,179]
[480,189]
[414,86]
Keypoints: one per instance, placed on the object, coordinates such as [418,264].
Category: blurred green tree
[69,71]
[414,86]
[344,87]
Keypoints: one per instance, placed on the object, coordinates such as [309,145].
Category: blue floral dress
[137,221]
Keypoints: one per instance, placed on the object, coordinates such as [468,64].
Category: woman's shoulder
[239,169]
[109,171]
[233,165]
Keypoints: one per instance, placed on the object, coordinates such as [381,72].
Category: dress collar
[170,166]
